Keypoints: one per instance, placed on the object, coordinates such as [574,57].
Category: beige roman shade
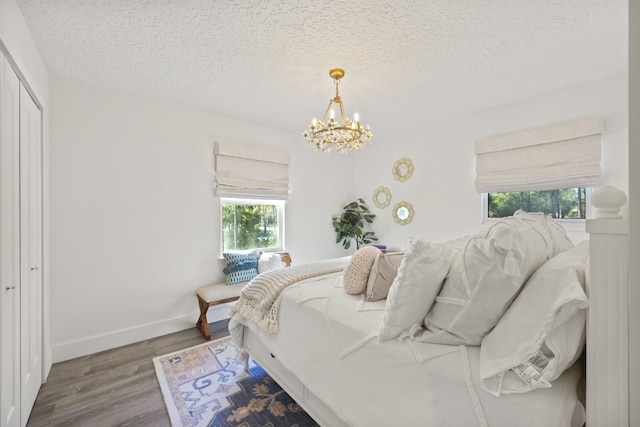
[252,172]
[564,155]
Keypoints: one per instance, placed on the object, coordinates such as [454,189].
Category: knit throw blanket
[260,298]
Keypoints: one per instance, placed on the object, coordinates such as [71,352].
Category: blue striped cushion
[239,270]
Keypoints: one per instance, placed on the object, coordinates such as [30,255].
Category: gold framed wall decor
[402,169]
[380,192]
[403,213]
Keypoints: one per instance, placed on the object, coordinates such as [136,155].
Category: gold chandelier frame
[348,135]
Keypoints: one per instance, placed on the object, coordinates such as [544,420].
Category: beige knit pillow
[357,272]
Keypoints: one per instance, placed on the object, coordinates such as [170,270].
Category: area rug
[207,385]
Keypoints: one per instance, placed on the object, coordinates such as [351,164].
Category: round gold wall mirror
[382,197]
[402,169]
[403,213]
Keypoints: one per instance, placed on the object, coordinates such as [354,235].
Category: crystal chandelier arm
[344,118]
[324,118]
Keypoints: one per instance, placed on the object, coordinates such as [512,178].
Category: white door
[9,247]
[30,252]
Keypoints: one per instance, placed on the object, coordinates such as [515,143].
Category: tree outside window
[250,226]
[568,203]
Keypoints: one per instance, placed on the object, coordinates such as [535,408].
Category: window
[562,204]
[252,224]
[548,169]
[253,184]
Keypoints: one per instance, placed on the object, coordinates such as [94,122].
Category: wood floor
[116,387]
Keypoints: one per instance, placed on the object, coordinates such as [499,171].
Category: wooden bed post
[607,399]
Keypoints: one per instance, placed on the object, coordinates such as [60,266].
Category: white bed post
[607,397]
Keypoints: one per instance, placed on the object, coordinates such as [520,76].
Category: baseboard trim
[97,343]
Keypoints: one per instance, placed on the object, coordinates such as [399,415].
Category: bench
[221,293]
[210,295]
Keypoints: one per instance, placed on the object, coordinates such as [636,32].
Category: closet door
[9,247]
[30,252]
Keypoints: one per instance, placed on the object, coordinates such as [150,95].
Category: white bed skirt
[289,382]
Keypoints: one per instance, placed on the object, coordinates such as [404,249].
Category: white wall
[442,190]
[321,183]
[134,223]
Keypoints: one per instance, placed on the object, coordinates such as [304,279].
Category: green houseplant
[350,225]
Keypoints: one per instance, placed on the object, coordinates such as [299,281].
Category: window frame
[243,201]
[567,223]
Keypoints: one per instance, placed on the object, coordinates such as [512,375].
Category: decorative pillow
[357,272]
[484,279]
[383,271]
[420,276]
[559,242]
[241,266]
[542,333]
[270,261]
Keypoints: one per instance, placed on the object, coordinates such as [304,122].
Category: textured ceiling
[407,62]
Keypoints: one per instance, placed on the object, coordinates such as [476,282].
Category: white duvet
[329,340]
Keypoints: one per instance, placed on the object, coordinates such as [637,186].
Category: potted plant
[350,225]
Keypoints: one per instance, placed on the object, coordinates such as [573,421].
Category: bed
[351,361]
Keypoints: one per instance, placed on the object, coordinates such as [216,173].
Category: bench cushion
[220,291]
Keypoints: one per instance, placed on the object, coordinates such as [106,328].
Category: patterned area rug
[207,386]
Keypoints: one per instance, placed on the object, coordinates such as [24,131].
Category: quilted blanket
[260,299]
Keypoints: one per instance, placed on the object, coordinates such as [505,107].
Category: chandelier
[345,135]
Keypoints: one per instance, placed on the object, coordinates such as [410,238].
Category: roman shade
[251,172]
[564,155]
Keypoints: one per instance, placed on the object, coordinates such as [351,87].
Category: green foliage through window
[250,226]
[569,203]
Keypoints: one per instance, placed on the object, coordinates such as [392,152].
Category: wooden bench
[220,293]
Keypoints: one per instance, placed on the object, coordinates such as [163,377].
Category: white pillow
[420,276]
[270,261]
[356,274]
[559,241]
[545,324]
[484,279]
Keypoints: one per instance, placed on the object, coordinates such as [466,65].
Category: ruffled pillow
[485,278]
[542,333]
[559,241]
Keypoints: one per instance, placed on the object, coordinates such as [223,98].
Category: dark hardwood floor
[116,387]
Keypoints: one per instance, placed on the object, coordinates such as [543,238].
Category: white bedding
[328,339]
